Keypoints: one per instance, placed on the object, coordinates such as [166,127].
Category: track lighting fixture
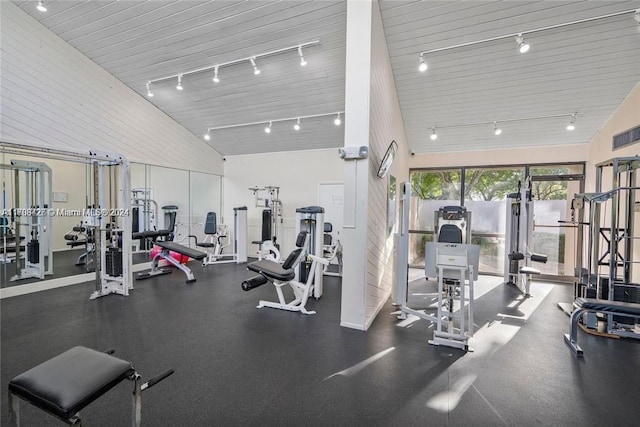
[179,85]
[215,75]
[252,59]
[497,131]
[267,129]
[423,65]
[41,7]
[522,45]
[149,93]
[302,60]
[256,70]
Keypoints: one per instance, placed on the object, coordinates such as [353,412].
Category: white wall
[53,95]
[385,125]
[373,118]
[297,173]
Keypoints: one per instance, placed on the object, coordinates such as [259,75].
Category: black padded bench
[65,384]
[582,305]
[167,247]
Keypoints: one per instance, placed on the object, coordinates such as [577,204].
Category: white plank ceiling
[586,68]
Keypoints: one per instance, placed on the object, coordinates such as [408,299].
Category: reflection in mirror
[62,230]
[205,196]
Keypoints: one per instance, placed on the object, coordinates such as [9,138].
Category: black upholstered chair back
[297,254]
[450,233]
[210,224]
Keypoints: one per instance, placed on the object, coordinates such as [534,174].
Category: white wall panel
[53,95]
[297,173]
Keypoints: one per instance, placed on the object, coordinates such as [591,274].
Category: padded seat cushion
[206,245]
[182,250]
[70,381]
[617,307]
[272,270]
[529,270]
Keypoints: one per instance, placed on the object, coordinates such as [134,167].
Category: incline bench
[167,247]
[602,306]
[65,384]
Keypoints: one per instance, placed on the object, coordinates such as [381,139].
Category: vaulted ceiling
[586,68]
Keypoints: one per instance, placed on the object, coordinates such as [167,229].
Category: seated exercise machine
[454,263]
[284,274]
[331,250]
[519,238]
[217,238]
[310,219]
[65,384]
[584,305]
[8,242]
[268,247]
[167,233]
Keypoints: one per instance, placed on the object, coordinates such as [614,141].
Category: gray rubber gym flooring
[236,365]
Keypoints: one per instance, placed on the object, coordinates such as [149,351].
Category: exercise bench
[165,254]
[582,305]
[65,384]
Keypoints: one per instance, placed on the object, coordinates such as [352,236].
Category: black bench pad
[150,234]
[70,381]
[617,307]
[182,250]
[272,270]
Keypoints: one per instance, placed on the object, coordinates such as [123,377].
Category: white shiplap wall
[385,125]
[53,95]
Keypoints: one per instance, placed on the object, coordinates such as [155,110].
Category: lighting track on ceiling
[269,123]
[252,60]
[496,129]
[523,46]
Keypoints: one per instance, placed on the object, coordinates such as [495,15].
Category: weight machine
[310,219]
[611,237]
[31,219]
[453,263]
[519,239]
[217,238]
[144,212]
[268,198]
[110,175]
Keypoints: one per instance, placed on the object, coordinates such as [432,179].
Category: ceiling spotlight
[572,123]
[256,70]
[434,135]
[41,7]
[297,125]
[207,136]
[636,16]
[423,65]
[215,75]
[179,85]
[149,93]
[268,128]
[337,120]
[522,45]
[496,130]
[302,61]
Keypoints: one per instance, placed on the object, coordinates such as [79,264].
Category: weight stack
[33,251]
[113,262]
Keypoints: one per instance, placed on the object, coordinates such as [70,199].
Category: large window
[484,191]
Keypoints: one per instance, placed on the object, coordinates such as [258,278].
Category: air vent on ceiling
[626,138]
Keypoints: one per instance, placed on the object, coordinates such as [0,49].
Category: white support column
[356,179]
